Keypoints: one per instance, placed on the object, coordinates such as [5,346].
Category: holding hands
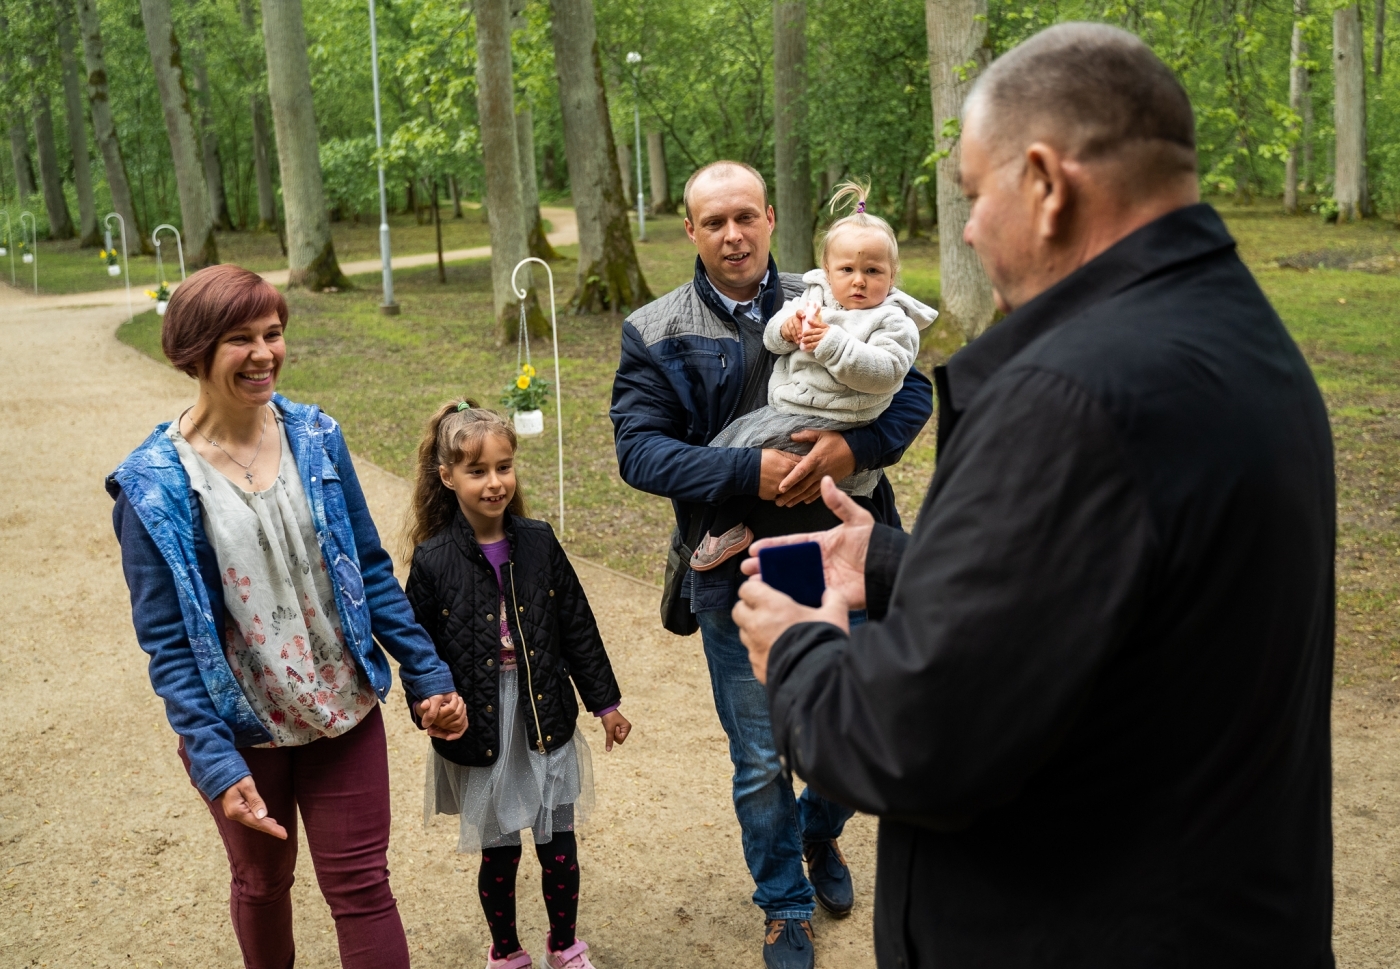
[444,716]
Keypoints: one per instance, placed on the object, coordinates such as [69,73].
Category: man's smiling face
[731,227]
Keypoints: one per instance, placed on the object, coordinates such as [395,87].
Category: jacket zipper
[524,653]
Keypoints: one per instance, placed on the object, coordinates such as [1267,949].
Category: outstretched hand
[843,548]
[242,803]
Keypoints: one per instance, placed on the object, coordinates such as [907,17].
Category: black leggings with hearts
[558,879]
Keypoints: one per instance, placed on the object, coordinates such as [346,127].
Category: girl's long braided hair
[456,432]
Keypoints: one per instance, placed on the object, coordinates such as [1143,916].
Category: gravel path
[109,858]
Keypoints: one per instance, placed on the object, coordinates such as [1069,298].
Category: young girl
[497,595]
[843,346]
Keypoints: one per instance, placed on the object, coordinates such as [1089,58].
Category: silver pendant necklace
[247,468]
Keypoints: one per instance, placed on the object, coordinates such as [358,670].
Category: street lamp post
[388,307]
[635,59]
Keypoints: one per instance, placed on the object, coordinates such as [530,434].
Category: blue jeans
[773,823]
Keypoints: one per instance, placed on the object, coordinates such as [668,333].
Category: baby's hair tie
[860,207]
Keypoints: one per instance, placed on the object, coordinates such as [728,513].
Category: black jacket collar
[465,536]
[772,294]
[1187,234]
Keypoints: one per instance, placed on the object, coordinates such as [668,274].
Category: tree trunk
[1349,71]
[89,231]
[530,186]
[437,229]
[196,216]
[104,129]
[310,249]
[50,174]
[957,41]
[208,138]
[1297,88]
[505,210]
[1379,39]
[456,196]
[661,203]
[262,151]
[911,210]
[791,156]
[624,170]
[551,171]
[19,154]
[609,277]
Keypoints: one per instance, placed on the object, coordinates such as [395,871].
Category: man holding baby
[1091,705]
[713,395]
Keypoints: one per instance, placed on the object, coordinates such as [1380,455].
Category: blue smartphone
[795,570]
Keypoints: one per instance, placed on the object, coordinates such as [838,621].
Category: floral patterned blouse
[283,639]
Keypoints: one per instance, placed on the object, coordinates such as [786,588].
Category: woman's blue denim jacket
[177,603]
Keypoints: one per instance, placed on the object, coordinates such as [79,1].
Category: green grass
[65,268]
[381,376]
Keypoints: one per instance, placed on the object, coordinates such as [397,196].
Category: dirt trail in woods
[109,858]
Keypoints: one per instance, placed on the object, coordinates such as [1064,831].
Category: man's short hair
[1093,91]
[712,166]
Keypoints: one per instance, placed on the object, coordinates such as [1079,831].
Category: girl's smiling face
[484,485]
[858,266]
[247,359]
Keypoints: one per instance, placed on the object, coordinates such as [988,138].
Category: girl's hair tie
[463,405]
[860,207]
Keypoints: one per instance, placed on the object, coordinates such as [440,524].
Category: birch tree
[661,203]
[609,277]
[104,129]
[1349,79]
[791,155]
[1297,90]
[529,187]
[957,52]
[88,230]
[310,249]
[505,208]
[262,139]
[196,216]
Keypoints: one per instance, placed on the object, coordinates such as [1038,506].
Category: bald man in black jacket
[1092,707]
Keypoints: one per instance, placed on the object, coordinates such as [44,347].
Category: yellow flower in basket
[527,370]
[523,382]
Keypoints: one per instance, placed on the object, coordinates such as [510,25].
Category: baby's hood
[819,288]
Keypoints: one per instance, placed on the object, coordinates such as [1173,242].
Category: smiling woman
[258,587]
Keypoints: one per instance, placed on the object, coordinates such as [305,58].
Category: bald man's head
[1095,92]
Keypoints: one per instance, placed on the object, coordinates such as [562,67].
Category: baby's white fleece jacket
[859,365]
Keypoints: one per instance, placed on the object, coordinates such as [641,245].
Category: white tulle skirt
[524,789]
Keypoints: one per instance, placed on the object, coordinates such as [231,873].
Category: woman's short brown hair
[208,305]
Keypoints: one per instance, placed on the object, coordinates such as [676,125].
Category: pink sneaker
[573,957]
[714,549]
[520,959]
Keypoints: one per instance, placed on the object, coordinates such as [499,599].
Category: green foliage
[525,392]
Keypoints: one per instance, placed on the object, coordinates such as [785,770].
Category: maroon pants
[341,786]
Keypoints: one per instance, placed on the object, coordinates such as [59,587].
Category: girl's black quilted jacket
[454,594]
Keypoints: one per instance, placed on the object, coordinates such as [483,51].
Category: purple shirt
[498,554]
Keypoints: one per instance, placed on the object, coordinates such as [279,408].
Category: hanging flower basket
[161,296]
[4,249]
[109,256]
[523,397]
[529,423]
[25,256]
